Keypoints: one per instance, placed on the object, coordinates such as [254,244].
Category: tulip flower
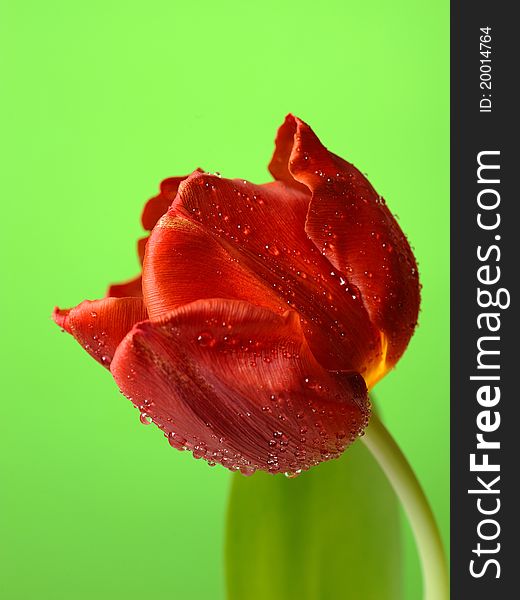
[262,313]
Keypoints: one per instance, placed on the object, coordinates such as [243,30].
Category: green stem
[409,491]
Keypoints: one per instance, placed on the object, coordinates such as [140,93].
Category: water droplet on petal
[272,249]
[293,474]
[145,418]
[176,441]
[206,339]
[247,471]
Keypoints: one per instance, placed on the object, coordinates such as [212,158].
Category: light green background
[100,101]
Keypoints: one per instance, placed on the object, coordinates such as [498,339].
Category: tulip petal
[156,207]
[141,248]
[100,325]
[237,384]
[232,239]
[132,287]
[184,263]
[61,317]
[352,226]
[284,144]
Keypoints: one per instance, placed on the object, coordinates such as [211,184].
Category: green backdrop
[100,101]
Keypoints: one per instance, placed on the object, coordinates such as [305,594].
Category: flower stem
[409,491]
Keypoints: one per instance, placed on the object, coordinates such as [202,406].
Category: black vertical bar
[483,127]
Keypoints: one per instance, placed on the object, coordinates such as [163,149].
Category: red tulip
[263,312]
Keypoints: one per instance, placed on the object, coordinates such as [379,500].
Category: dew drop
[247,471]
[206,339]
[272,249]
[145,418]
[293,474]
[176,441]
